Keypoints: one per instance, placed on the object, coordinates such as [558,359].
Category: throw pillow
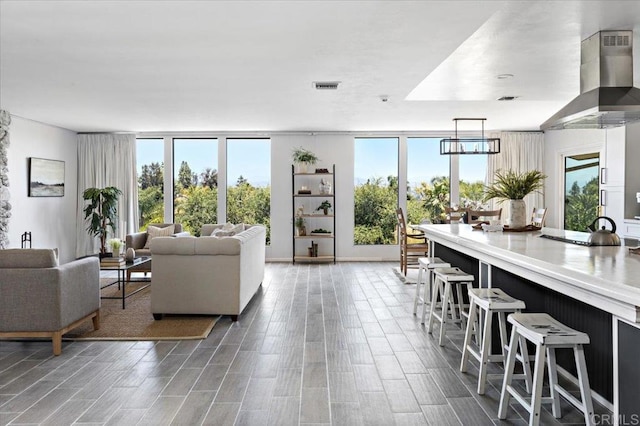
[228,226]
[154,231]
[238,228]
[220,233]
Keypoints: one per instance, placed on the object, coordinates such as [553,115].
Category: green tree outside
[185,176]
[581,205]
[196,206]
[375,212]
[197,197]
[249,204]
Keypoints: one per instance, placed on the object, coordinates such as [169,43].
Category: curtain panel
[520,152]
[107,160]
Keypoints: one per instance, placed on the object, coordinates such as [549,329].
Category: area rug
[136,321]
[411,278]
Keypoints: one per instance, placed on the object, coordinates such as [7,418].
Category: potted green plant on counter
[303,158]
[513,187]
[101,213]
[324,206]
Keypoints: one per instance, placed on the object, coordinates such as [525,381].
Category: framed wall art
[46,178]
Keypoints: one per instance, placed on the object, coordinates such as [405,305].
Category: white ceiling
[249,65]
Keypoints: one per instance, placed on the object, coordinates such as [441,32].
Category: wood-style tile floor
[319,344]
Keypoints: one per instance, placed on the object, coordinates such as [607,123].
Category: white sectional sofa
[207,274]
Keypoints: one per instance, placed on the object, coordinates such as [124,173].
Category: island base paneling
[588,319]
[628,373]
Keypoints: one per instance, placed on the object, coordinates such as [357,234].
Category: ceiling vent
[326,85]
[507,98]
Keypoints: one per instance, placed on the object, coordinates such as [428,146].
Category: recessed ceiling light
[507,98]
[504,76]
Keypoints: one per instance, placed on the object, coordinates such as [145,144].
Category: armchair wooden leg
[56,337]
[96,320]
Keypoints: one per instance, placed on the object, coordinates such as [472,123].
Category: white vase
[302,167]
[517,214]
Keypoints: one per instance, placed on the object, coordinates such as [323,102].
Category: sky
[247,157]
[378,157]
[375,157]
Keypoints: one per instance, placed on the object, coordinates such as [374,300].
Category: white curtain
[520,152]
[107,160]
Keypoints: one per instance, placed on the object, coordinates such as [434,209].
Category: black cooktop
[578,241]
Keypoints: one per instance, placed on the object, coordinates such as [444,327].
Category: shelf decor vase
[325,188]
[302,167]
[517,214]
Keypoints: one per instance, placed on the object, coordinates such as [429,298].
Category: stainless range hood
[607,98]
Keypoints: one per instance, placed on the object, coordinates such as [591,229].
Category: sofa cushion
[213,245]
[28,258]
[154,231]
[170,245]
[207,229]
[221,233]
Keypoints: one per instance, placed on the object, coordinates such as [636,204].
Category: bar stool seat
[485,303]
[426,265]
[547,334]
[443,289]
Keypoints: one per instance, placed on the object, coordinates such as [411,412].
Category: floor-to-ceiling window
[427,180]
[581,173]
[376,190]
[472,172]
[195,182]
[150,169]
[249,182]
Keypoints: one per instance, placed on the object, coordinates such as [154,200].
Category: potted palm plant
[302,158]
[101,213]
[513,187]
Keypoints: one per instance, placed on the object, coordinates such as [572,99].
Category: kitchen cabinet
[612,202]
[612,171]
[631,229]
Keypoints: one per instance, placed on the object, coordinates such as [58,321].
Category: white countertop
[607,277]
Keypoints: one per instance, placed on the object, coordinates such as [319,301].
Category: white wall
[51,220]
[331,149]
[609,143]
[632,171]
[559,143]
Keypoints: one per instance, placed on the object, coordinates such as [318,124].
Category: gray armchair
[39,298]
[138,240]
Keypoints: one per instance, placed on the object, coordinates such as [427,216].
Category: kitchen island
[592,289]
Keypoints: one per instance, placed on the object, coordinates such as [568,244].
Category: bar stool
[485,302]
[444,278]
[426,265]
[548,335]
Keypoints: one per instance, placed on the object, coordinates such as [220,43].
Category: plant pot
[302,167]
[517,214]
[302,231]
[325,211]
